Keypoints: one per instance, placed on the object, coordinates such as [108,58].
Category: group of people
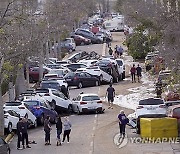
[66,125]
[136,70]
[118,51]
[22,131]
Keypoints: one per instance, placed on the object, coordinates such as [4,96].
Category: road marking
[95,115]
[95,121]
[94,128]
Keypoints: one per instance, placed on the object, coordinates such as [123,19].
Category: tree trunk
[27,74]
[41,64]
[20,85]
[1,112]
[47,52]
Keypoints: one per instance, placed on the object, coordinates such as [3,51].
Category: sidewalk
[130,147]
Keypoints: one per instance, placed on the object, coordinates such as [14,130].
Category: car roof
[89,94]
[49,81]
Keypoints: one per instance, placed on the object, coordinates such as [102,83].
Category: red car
[34,74]
[80,40]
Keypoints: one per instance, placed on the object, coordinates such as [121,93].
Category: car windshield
[31,103]
[120,63]
[42,91]
[50,85]
[151,102]
[67,41]
[70,74]
[90,98]
[13,103]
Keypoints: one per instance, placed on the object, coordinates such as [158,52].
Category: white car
[56,99]
[150,108]
[22,109]
[70,42]
[88,62]
[86,103]
[96,71]
[121,68]
[60,72]
[11,119]
[61,81]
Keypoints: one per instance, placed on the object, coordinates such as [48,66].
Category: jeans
[66,133]
[133,76]
[19,140]
[24,137]
[59,134]
[47,136]
[122,129]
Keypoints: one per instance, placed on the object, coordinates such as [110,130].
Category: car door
[57,98]
[90,79]
[45,109]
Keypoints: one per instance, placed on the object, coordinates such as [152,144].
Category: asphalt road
[92,133]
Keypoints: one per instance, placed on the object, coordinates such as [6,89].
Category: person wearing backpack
[123,120]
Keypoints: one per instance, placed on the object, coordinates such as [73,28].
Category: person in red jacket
[133,73]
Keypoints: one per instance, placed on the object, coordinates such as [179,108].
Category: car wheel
[78,111]
[82,43]
[53,104]
[101,78]
[10,128]
[31,79]
[80,85]
[123,75]
[97,83]
[42,119]
[70,109]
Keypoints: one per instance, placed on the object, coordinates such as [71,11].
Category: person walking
[47,129]
[67,129]
[123,120]
[120,51]
[116,51]
[139,70]
[59,130]
[110,93]
[110,51]
[65,91]
[24,129]
[133,73]
[19,133]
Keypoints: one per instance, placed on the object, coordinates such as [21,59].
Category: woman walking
[123,120]
[47,129]
[67,129]
[59,130]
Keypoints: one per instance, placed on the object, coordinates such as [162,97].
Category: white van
[115,24]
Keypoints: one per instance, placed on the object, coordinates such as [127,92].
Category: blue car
[41,110]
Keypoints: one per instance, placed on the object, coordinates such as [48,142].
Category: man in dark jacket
[110,93]
[47,129]
[25,133]
[65,91]
[123,120]
[133,73]
[19,133]
[59,130]
[139,70]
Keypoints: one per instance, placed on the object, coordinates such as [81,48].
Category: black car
[73,67]
[110,68]
[50,84]
[81,79]
[4,147]
[89,35]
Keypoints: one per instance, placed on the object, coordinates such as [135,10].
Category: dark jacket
[139,70]
[19,127]
[123,119]
[133,70]
[59,124]
[24,127]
